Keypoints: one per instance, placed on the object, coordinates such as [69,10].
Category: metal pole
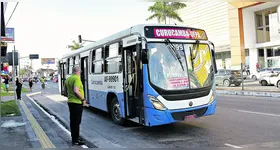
[31,67]
[18,64]
[0,73]
[14,72]
[242,76]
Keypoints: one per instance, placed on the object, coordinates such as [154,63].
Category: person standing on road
[43,83]
[30,84]
[258,66]
[75,93]
[19,87]
[7,84]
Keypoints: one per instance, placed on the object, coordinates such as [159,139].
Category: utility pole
[14,72]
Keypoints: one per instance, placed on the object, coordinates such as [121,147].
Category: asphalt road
[240,121]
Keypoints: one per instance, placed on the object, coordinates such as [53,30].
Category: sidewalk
[31,129]
[251,88]
[14,133]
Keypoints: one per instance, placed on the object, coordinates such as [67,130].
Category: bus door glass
[63,76]
[129,81]
[84,76]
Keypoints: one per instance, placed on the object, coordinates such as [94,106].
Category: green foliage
[164,10]
[8,108]
[75,45]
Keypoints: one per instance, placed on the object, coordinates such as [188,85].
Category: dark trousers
[76,111]
[18,91]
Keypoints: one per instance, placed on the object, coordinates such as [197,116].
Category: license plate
[190,117]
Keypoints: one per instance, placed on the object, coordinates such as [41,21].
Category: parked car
[270,80]
[264,72]
[25,80]
[228,77]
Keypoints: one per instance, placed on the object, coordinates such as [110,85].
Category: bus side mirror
[214,61]
[278,14]
[213,57]
[144,56]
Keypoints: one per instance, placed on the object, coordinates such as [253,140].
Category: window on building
[269,52]
[277,51]
[262,24]
[261,52]
[246,52]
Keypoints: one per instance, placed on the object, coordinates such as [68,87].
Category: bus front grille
[182,115]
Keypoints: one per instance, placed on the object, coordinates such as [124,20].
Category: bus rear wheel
[116,112]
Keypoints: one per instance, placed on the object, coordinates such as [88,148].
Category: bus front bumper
[155,117]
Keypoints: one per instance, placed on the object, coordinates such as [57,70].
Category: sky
[46,27]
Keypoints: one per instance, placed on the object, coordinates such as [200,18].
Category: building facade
[243,32]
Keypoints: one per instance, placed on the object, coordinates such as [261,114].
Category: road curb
[61,121]
[66,125]
[33,139]
[248,93]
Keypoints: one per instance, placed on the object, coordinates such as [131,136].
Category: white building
[243,32]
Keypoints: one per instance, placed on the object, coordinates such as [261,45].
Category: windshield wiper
[193,56]
[174,52]
[196,51]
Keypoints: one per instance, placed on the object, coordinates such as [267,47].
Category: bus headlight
[212,98]
[156,103]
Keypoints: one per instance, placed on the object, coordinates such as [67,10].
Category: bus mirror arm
[144,56]
[214,58]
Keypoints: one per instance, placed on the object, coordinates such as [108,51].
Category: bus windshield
[172,67]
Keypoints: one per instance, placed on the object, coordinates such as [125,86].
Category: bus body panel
[103,84]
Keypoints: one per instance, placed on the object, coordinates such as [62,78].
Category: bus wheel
[116,112]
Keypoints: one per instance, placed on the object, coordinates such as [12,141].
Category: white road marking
[84,146]
[233,146]
[259,113]
[174,139]
[131,128]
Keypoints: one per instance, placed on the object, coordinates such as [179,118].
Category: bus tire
[116,112]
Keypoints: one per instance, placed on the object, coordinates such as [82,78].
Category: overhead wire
[12,13]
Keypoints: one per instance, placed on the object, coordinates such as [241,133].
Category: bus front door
[132,94]
[84,76]
[129,83]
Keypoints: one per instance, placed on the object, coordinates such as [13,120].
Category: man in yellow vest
[76,101]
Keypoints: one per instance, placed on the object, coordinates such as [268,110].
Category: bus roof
[132,30]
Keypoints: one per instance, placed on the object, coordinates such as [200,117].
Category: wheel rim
[264,82]
[226,83]
[116,111]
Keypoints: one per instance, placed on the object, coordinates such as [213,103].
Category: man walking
[76,101]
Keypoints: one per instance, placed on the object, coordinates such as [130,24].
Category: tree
[164,10]
[75,45]
[26,71]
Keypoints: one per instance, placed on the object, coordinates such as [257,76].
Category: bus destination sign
[175,33]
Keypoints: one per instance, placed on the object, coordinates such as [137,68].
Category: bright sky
[46,27]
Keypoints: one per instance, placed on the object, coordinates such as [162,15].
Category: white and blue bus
[151,74]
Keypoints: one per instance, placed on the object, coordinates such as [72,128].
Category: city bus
[151,74]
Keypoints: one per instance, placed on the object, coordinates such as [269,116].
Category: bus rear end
[179,82]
